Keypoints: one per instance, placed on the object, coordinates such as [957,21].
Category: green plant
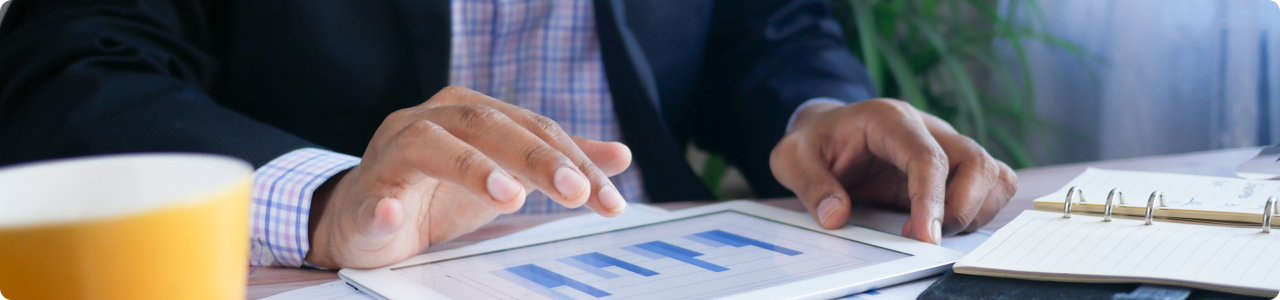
[942,57]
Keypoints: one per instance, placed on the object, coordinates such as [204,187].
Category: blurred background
[1041,82]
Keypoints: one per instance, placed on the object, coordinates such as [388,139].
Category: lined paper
[1189,192]
[1233,258]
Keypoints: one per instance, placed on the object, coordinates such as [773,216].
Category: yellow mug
[138,226]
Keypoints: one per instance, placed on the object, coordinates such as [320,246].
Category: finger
[611,157]
[603,197]
[966,193]
[980,185]
[516,149]
[424,148]
[997,198]
[974,175]
[800,167]
[900,137]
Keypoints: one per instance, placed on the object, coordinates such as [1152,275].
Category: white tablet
[738,249]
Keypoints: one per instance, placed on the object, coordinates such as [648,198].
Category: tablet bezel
[925,260]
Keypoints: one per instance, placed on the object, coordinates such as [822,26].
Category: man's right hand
[444,168]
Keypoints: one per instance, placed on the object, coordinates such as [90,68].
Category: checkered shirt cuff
[281,205]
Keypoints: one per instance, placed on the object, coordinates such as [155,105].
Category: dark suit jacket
[258,78]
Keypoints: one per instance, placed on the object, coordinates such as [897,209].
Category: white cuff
[794,114]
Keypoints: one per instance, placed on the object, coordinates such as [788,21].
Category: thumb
[800,168]
[381,219]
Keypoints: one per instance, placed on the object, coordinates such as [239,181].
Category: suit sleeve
[764,59]
[83,77]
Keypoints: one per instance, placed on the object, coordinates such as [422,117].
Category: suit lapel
[662,164]
[426,25]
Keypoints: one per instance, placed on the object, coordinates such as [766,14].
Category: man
[299,88]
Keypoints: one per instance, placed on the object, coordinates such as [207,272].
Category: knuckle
[890,106]
[421,128]
[536,155]
[546,125]
[453,90]
[1008,181]
[398,114]
[477,116]
[936,159]
[468,161]
[589,168]
[785,147]
[989,167]
[451,94]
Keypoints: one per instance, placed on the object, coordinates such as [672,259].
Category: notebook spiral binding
[1066,205]
[1076,192]
[1266,215]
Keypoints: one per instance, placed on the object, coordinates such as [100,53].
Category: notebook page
[1045,243]
[1188,192]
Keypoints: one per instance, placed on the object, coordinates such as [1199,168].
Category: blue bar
[642,252]
[600,261]
[530,285]
[550,279]
[704,241]
[715,237]
[588,268]
[750,241]
[656,247]
[673,248]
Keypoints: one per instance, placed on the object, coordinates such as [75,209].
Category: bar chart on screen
[702,257]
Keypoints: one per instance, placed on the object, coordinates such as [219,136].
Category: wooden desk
[1032,183]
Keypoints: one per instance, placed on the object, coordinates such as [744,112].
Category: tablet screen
[705,256]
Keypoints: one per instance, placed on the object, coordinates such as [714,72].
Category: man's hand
[444,168]
[887,152]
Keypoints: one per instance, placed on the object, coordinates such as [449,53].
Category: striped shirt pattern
[542,55]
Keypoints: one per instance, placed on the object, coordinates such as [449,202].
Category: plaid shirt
[542,55]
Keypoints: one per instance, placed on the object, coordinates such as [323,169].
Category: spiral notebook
[1064,243]
[1199,198]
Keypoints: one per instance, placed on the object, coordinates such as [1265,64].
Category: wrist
[319,204]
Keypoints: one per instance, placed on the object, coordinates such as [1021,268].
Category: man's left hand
[885,152]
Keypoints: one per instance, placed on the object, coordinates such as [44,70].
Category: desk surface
[1032,183]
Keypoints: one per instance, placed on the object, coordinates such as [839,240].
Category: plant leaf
[963,83]
[904,76]
[866,34]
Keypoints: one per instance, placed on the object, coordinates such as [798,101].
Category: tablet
[737,249]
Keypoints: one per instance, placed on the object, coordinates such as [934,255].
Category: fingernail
[826,207]
[935,231]
[610,199]
[503,187]
[569,183]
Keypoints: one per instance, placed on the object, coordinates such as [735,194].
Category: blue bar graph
[543,281]
[588,268]
[530,285]
[598,260]
[704,241]
[549,279]
[739,241]
[681,254]
[642,252]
